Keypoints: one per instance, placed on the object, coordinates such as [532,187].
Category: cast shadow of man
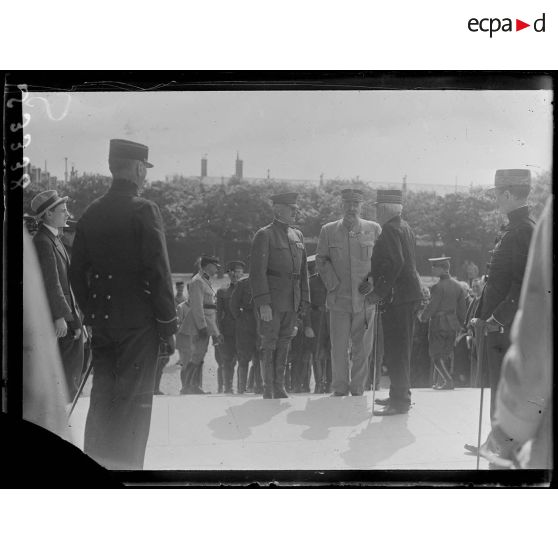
[238,421]
[325,413]
[377,442]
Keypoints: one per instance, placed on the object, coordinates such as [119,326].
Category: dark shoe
[196,390]
[268,393]
[384,401]
[338,394]
[391,410]
[439,386]
[447,385]
[279,393]
[258,390]
[158,392]
[356,394]
[185,391]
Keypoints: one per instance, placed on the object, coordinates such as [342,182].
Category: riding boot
[242,372]
[327,376]
[281,354]
[220,378]
[228,373]
[267,365]
[306,374]
[258,384]
[318,375]
[250,381]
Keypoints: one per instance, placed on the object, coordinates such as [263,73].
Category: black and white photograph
[286,277]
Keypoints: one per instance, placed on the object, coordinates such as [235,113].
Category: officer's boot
[220,382]
[250,381]
[186,376]
[306,373]
[228,373]
[318,375]
[327,375]
[267,368]
[281,354]
[449,378]
[258,384]
[242,372]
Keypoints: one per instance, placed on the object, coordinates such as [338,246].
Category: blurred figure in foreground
[524,397]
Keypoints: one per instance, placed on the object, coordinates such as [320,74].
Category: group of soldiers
[336,311]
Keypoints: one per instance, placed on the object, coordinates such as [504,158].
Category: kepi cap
[511,178]
[444,261]
[350,194]
[288,198]
[389,196]
[209,260]
[126,149]
[44,201]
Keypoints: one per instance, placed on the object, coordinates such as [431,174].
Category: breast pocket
[366,247]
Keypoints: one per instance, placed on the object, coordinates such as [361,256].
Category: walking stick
[480,354]
[81,386]
[375,354]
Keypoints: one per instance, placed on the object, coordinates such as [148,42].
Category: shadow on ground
[371,446]
[325,413]
[239,420]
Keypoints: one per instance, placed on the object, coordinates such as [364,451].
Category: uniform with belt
[445,314]
[500,295]
[54,263]
[121,276]
[246,335]
[278,277]
[397,285]
[343,262]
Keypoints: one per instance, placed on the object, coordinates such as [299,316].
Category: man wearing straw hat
[397,287]
[343,261]
[51,212]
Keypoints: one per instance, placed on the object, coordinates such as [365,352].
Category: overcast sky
[433,137]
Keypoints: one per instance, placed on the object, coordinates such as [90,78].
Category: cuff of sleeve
[166,328]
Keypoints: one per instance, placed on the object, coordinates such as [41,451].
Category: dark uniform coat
[446,314]
[397,283]
[121,277]
[55,263]
[500,295]
[226,324]
[241,305]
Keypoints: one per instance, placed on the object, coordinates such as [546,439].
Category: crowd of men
[353,309]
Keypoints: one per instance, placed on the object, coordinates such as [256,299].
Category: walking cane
[81,386]
[375,354]
[480,357]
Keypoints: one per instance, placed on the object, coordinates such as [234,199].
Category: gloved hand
[265,313]
[309,332]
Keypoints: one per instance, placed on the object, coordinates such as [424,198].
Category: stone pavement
[235,432]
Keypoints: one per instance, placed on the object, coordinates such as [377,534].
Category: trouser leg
[71,354]
[267,365]
[497,345]
[362,335]
[258,383]
[118,421]
[340,327]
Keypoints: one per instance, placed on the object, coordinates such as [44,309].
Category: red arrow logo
[519,25]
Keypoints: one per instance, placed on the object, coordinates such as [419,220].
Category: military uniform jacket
[447,307]
[393,264]
[55,263]
[241,300]
[500,296]
[203,306]
[120,269]
[278,271]
[225,319]
[343,262]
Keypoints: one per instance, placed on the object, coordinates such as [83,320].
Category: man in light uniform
[343,261]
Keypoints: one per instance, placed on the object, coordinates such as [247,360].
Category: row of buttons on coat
[97,276]
[94,295]
[93,316]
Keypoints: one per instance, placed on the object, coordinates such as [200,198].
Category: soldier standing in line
[201,322]
[247,349]
[397,286]
[226,325]
[121,276]
[279,282]
[445,313]
[343,261]
[500,295]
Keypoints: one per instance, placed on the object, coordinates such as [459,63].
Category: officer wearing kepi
[121,276]
[445,313]
[500,296]
[279,282]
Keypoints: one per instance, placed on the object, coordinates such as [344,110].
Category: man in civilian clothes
[51,212]
[397,287]
[121,276]
[500,296]
[279,282]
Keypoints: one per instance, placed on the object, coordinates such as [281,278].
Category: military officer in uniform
[279,282]
[500,296]
[397,287]
[201,322]
[343,261]
[247,341]
[445,314]
[52,214]
[227,327]
[179,297]
[121,276]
